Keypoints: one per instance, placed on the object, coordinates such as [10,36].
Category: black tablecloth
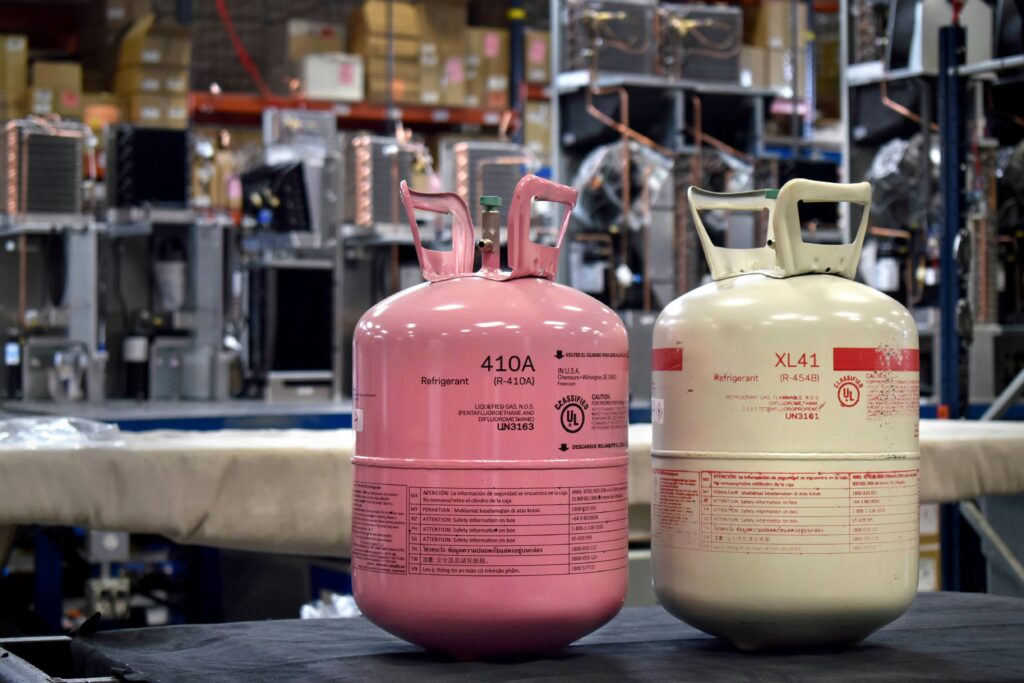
[944,636]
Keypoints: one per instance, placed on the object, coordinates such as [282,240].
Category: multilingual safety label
[402,529]
[786,512]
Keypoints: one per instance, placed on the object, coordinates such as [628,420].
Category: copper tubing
[700,137]
[894,233]
[11,170]
[363,152]
[613,287]
[902,110]
[684,27]
[505,123]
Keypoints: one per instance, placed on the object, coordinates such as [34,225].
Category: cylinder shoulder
[807,299]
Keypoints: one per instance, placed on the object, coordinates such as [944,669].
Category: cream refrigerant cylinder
[785,417]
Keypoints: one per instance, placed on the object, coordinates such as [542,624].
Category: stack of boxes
[767,61]
[439,59]
[487,67]
[153,74]
[443,53]
[368,31]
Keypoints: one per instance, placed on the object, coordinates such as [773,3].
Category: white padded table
[287,491]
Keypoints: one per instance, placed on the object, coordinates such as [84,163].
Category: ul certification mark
[572,412]
[848,391]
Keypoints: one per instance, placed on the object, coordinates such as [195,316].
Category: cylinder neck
[490,239]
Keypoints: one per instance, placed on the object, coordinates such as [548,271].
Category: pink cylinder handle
[525,257]
[441,265]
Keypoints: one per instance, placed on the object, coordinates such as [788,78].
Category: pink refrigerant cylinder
[490,409]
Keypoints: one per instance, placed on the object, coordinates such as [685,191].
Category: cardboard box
[537,129]
[406,85]
[139,79]
[145,110]
[148,42]
[780,74]
[444,25]
[767,24]
[63,81]
[404,69]
[431,74]
[141,45]
[13,71]
[374,45]
[453,81]
[753,67]
[151,79]
[175,112]
[333,76]
[487,66]
[372,17]
[537,67]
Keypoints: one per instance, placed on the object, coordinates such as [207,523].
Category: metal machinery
[632,129]
[893,141]
[700,42]
[115,289]
[609,36]
[292,203]
[166,281]
[54,341]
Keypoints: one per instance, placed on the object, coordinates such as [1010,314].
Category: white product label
[658,410]
[357,419]
[802,513]
[151,56]
[12,353]
[15,44]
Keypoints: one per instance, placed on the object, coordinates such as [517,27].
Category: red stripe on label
[667,360]
[867,359]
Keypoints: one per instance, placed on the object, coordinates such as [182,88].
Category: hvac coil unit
[42,167]
[374,167]
[618,35]
[700,42]
[475,167]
